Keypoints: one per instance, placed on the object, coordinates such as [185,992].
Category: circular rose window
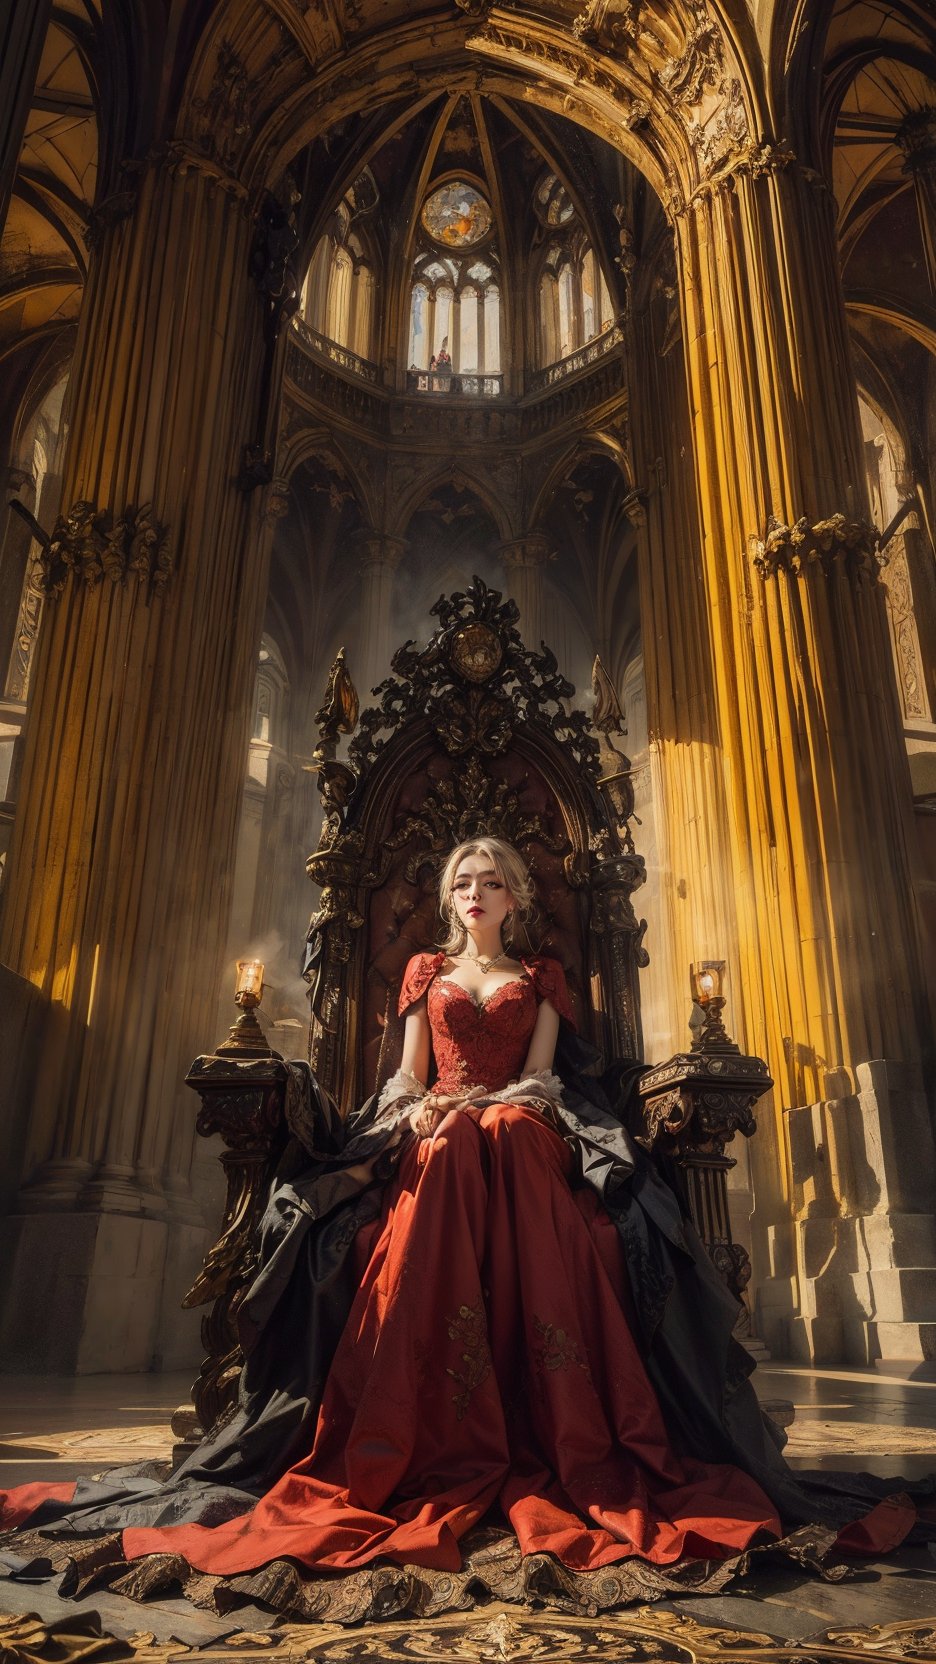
[457,215]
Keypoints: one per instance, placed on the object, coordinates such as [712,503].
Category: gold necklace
[485,965]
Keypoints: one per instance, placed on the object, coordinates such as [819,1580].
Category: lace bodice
[482,1044]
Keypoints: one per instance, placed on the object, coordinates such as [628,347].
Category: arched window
[574,302]
[338,299]
[270,692]
[454,336]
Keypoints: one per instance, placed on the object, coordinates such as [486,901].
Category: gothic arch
[594,443]
[643,97]
[464,480]
[322,444]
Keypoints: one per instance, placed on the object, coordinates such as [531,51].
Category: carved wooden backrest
[471,734]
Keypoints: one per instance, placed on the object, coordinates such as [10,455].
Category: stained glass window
[457,215]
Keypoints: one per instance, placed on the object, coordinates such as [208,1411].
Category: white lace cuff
[398,1097]
[535,1089]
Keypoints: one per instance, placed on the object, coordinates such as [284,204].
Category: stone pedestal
[243,1098]
[693,1105]
[862,1170]
[82,1292]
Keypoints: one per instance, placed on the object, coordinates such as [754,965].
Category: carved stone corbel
[827,545]
[90,544]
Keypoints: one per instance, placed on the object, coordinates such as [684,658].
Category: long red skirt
[488,1360]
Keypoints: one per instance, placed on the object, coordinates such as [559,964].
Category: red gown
[488,1360]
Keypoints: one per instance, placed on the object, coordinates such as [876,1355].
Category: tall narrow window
[441,341]
[338,308]
[590,324]
[492,344]
[567,333]
[418,356]
[468,344]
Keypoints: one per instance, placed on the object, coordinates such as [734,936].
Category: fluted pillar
[116,897]
[819,805]
[526,559]
[682,721]
[380,557]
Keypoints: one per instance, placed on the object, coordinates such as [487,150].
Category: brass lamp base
[246,1039]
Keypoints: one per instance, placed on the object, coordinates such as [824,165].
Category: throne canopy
[471,734]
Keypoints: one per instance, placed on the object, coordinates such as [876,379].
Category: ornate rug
[647,1635]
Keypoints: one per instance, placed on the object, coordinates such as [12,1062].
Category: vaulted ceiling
[116,77]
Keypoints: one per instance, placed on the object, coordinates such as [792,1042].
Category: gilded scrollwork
[610,24]
[560,1632]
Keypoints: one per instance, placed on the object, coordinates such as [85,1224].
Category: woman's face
[482,901]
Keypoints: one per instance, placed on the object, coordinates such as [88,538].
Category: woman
[529,1331]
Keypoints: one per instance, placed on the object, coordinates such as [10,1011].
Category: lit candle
[249,988]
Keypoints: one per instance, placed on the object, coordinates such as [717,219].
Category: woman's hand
[427,1115]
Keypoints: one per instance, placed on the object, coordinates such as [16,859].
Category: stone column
[682,721]
[819,805]
[380,556]
[917,140]
[23,27]
[525,559]
[116,900]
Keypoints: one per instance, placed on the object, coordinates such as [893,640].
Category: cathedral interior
[623,312]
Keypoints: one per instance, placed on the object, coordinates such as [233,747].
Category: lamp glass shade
[249,980]
[707,978]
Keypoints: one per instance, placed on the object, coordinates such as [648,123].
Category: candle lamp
[706,979]
[246,1038]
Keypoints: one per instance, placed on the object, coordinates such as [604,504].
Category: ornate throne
[473,733]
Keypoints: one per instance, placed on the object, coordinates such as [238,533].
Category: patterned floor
[61,1429]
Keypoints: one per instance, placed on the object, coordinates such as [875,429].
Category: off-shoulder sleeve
[550,984]
[417,977]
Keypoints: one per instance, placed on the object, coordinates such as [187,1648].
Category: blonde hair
[513,873]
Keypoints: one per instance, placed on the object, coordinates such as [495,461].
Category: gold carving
[829,545]
[699,65]
[416,1617]
[562,65]
[721,134]
[611,24]
[89,545]
[476,652]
